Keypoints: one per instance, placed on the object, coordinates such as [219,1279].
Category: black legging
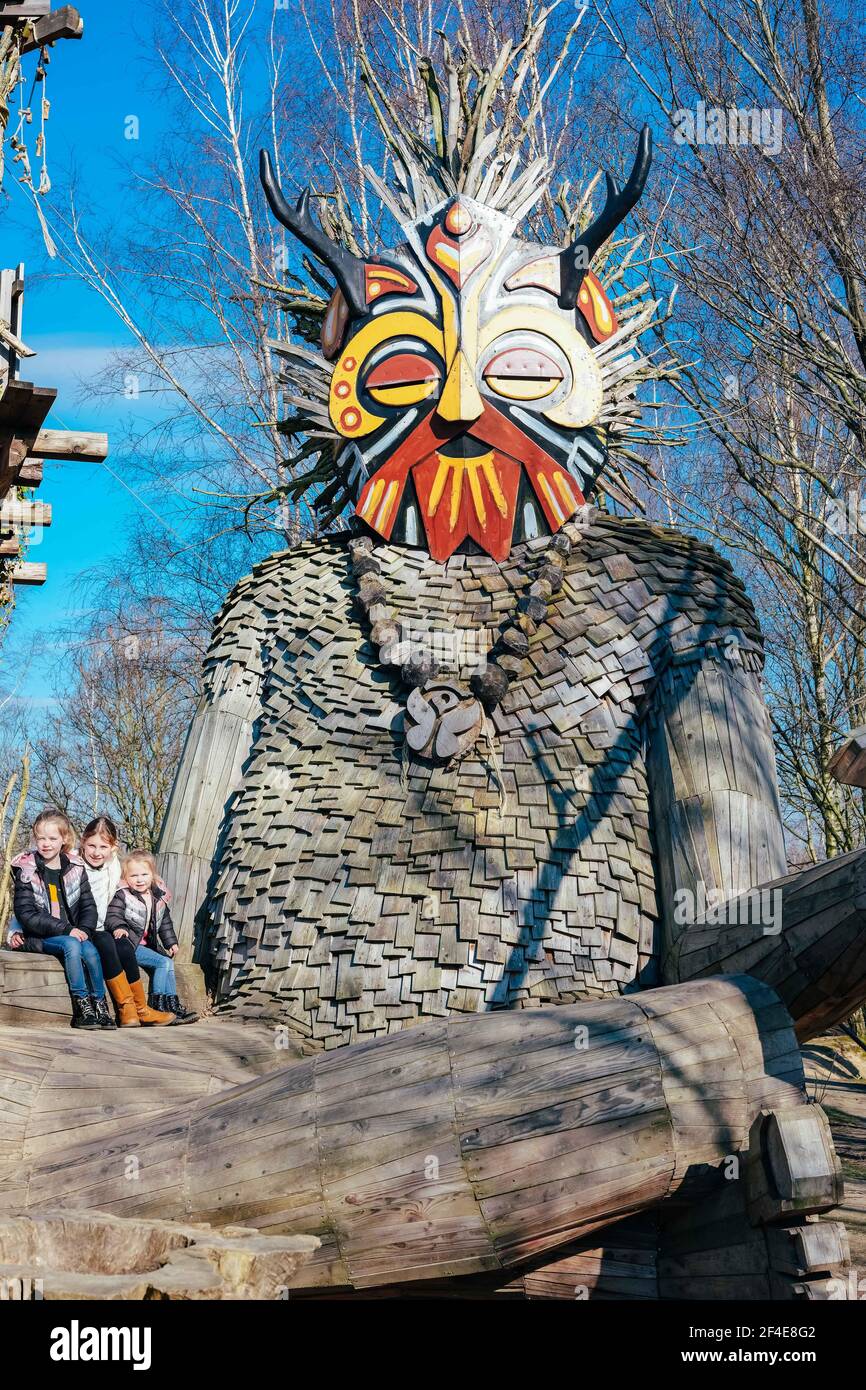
[116,953]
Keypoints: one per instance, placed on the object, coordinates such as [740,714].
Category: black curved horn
[347,269]
[575,259]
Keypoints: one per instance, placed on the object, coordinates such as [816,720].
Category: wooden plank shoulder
[221,732]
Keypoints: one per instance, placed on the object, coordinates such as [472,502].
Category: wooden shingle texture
[349,905]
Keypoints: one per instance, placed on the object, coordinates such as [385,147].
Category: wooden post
[24,407]
[65,23]
[46,25]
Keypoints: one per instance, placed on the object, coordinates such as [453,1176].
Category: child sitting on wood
[116,951]
[55,913]
[98,849]
[139,919]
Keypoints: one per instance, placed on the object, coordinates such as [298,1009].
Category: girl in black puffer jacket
[55,914]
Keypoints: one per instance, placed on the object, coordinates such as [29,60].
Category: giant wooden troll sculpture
[463,779]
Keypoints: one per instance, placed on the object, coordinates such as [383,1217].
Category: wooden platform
[33,989]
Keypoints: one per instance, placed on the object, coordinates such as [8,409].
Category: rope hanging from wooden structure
[18,141]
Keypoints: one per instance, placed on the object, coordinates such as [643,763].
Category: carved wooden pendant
[442,722]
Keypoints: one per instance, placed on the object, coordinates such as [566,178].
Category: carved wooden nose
[460,401]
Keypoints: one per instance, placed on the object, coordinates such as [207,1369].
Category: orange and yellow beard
[468,491]
[460,497]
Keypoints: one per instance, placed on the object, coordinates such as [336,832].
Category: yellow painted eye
[407,394]
[403,379]
[522,388]
[522,374]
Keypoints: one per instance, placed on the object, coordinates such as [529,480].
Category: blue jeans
[78,957]
[160,968]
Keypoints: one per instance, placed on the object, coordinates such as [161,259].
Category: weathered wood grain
[323,890]
[453,1159]
[815,960]
[33,990]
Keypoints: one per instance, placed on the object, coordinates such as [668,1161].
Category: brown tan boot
[127,1013]
[145,1013]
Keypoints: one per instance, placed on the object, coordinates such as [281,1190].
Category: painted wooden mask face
[465,377]
[468,392]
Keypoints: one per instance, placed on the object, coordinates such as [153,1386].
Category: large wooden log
[804,935]
[460,1146]
[56,1085]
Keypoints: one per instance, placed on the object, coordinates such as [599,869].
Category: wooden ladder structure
[25,444]
[47,25]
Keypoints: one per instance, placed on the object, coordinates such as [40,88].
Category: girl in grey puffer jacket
[139,915]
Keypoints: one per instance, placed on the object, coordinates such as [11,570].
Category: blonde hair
[63,823]
[139,856]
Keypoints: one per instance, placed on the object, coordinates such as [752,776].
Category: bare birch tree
[111,741]
[763,229]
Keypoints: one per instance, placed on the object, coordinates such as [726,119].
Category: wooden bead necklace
[444,719]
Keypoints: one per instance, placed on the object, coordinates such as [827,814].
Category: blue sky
[93,85]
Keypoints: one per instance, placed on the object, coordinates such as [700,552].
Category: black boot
[101,1010]
[172,1004]
[83,1012]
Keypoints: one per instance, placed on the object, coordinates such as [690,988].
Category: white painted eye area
[543,367]
[522,374]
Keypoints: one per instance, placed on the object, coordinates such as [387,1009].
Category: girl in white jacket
[98,849]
